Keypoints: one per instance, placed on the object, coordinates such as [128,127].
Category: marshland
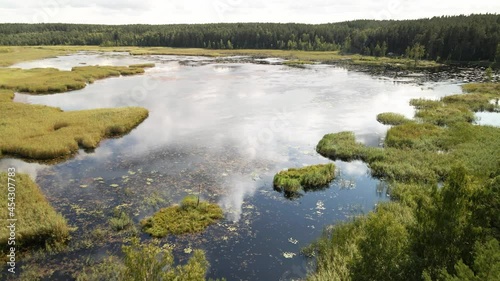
[262,159]
[220,131]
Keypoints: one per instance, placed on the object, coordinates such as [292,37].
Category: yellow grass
[50,80]
[38,224]
[312,56]
[43,133]
[11,55]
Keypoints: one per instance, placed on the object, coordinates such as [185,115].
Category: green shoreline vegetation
[309,178]
[389,118]
[51,80]
[296,58]
[429,231]
[58,134]
[191,216]
[38,224]
[146,261]
[46,133]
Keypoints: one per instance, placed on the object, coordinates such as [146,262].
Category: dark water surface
[228,127]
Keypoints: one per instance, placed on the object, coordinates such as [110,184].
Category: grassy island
[190,216]
[308,178]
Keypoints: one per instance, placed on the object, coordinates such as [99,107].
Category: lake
[223,127]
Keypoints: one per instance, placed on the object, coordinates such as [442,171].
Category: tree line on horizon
[446,38]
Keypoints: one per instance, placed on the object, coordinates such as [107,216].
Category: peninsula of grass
[389,118]
[191,216]
[295,180]
[51,80]
[444,178]
[40,132]
[38,224]
[424,150]
[12,54]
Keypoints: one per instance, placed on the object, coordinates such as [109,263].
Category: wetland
[221,129]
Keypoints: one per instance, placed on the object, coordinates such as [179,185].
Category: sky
[211,11]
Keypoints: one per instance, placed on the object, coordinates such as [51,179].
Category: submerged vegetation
[38,224]
[429,232]
[190,216]
[295,180]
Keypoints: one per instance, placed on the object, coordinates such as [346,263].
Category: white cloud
[199,11]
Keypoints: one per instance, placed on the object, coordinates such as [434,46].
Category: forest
[444,39]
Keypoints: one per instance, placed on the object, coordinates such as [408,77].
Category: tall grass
[146,261]
[389,118]
[44,133]
[38,224]
[190,216]
[11,55]
[307,178]
[424,150]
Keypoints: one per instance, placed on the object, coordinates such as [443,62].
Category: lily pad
[289,255]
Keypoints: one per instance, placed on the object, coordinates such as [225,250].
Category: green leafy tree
[416,52]
[486,265]
[346,47]
[488,74]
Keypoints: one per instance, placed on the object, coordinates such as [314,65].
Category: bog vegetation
[295,180]
[428,232]
[46,133]
[51,80]
[38,224]
[146,261]
[191,216]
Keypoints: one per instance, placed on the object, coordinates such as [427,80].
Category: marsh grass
[120,220]
[38,224]
[446,115]
[146,261]
[389,118]
[188,217]
[12,54]
[312,56]
[297,63]
[341,146]
[44,133]
[51,80]
[295,180]
[424,150]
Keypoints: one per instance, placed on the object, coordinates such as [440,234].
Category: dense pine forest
[447,38]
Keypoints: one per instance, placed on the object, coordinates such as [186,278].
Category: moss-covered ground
[191,216]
